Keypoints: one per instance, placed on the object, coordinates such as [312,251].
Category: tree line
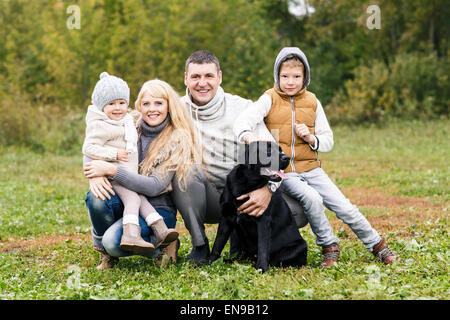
[48,69]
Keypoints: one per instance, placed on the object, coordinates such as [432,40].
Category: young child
[303,131]
[111,136]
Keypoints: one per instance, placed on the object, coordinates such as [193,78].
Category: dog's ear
[226,196]
[261,154]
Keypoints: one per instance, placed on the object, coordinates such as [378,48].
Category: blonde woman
[168,148]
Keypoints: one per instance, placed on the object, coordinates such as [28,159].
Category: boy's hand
[303,132]
[249,138]
[122,155]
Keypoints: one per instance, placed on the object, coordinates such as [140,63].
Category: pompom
[104,74]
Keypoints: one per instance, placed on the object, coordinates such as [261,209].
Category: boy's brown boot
[106,261]
[164,235]
[132,240]
[330,255]
[384,253]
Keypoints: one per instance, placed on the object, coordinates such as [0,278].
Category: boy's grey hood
[284,53]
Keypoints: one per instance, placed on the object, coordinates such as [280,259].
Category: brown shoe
[330,256]
[106,261]
[164,235]
[169,253]
[384,253]
[132,240]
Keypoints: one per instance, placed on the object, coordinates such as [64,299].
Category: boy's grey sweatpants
[199,203]
[314,187]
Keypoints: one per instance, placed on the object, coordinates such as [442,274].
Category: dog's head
[267,158]
[261,162]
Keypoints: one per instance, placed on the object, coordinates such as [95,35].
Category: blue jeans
[106,219]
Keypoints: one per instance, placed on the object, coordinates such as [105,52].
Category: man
[214,112]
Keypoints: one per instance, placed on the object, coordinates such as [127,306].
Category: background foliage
[47,71]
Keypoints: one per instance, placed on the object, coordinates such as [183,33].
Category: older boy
[303,131]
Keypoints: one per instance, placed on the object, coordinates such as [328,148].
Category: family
[174,153]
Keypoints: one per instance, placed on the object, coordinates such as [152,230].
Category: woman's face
[154,110]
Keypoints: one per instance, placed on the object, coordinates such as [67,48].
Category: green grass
[42,195]
[405,158]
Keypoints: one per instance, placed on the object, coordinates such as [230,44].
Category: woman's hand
[167,189]
[99,168]
[101,187]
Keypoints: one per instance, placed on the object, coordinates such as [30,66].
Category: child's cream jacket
[103,139]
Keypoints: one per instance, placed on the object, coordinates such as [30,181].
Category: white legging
[134,205]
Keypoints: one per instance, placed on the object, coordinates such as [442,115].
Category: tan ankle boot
[106,261]
[132,240]
[168,253]
[164,236]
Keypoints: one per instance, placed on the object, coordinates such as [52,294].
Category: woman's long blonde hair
[178,147]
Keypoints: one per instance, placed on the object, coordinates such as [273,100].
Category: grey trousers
[314,187]
[199,203]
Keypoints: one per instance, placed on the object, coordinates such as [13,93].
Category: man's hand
[101,187]
[122,155]
[302,131]
[258,202]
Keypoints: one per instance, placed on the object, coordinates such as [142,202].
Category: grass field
[397,175]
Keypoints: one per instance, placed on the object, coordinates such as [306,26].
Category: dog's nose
[285,157]
[284,161]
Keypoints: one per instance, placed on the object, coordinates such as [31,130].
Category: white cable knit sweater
[214,121]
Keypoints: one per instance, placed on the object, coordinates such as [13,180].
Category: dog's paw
[261,266]
[212,258]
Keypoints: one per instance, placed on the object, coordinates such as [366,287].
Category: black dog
[273,237]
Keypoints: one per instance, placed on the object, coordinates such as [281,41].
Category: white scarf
[131,135]
[210,111]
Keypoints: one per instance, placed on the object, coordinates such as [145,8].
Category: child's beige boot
[132,240]
[164,235]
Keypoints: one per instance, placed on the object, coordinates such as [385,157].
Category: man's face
[202,81]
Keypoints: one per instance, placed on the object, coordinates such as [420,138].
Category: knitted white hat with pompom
[109,88]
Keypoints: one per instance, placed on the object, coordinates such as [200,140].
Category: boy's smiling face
[291,78]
